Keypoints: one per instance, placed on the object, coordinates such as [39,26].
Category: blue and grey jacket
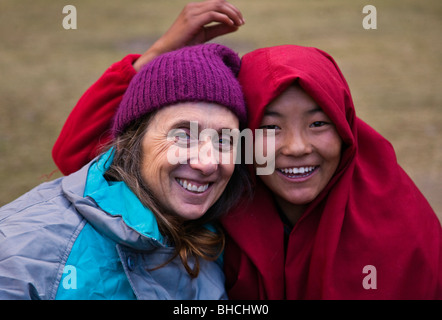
[82,237]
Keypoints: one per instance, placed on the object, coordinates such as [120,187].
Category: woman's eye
[180,136]
[225,143]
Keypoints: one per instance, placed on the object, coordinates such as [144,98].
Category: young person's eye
[318,124]
[269,127]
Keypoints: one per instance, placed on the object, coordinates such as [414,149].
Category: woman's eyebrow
[181,123]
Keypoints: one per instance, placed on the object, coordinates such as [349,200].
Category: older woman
[130,224]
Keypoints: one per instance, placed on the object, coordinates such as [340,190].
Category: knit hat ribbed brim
[206,72]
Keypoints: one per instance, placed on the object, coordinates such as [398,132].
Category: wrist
[150,54]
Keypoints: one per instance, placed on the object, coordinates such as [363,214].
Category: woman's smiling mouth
[193,186]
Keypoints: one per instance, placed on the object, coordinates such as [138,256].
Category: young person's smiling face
[307,149]
[188,189]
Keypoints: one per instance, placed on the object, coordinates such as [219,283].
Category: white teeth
[300,170]
[193,188]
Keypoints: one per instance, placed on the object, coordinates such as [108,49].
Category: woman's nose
[206,159]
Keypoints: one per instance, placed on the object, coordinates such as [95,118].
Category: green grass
[394,72]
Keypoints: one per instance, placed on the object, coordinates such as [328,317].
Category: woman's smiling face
[188,188]
[307,148]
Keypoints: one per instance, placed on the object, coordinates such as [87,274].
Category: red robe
[369,235]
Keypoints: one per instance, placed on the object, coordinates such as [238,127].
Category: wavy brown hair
[191,238]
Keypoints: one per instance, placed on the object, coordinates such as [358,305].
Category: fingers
[218,30]
[236,13]
[194,26]
[216,11]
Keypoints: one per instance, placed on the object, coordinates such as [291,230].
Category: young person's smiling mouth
[298,173]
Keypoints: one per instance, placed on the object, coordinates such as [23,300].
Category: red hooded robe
[370,234]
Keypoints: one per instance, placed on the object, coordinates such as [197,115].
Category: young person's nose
[296,144]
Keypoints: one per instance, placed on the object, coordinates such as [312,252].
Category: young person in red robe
[337,219]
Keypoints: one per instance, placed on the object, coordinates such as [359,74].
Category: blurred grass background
[394,72]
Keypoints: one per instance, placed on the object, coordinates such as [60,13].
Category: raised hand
[197,23]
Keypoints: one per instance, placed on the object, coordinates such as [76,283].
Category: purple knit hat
[204,72]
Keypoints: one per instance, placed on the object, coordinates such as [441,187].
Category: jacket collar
[111,207]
